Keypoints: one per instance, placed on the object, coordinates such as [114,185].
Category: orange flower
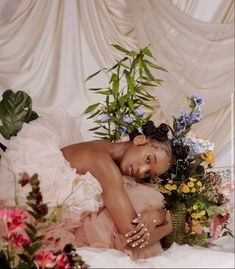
[185,188]
[208,157]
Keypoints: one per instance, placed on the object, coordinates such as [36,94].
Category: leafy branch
[126,95]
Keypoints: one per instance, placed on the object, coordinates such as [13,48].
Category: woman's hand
[146,224]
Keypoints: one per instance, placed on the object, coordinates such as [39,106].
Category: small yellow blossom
[185,188]
[163,190]
[208,157]
[170,187]
[190,184]
[203,212]
[194,222]
[170,181]
[199,183]
[196,215]
[195,207]
[193,190]
[192,179]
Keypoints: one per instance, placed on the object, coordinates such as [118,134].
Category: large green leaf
[15,109]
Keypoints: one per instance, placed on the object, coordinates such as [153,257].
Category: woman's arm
[114,195]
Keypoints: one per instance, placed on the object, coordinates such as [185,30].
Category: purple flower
[196,116]
[139,111]
[198,100]
[127,119]
[122,129]
[105,118]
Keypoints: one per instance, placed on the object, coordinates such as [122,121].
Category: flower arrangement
[21,239]
[190,187]
[126,97]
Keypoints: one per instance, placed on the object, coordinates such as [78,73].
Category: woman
[104,209]
[148,155]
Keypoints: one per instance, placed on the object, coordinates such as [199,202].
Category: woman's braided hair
[160,133]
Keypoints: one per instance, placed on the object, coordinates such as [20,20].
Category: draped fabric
[48,48]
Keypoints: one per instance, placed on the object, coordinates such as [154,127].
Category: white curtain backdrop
[48,48]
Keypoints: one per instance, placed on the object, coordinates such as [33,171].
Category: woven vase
[178,222]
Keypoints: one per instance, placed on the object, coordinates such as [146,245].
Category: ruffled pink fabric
[96,229]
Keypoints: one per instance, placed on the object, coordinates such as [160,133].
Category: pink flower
[19,239]
[45,259]
[62,261]
[14,218]
[217,224]
[197,228]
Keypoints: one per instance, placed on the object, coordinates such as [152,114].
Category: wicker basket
[178,232]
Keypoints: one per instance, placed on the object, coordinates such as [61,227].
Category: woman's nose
[143,170]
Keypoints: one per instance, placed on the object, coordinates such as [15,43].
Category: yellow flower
[185,188]
[203,212]
[193,190]
[170,181]
[199,183]
[194,222]
[170,187]
[163,190]
[195,207]
[190,184]
[192,179]
[208,157]
[196,215]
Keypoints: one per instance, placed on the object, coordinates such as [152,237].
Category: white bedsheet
[177,256]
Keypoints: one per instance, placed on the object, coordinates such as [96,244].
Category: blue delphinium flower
[127,119]
[196,116]
[139,111]
[122,129]
[105,118]
[198,100]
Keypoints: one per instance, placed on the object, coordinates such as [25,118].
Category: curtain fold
[199,57]
[48,48]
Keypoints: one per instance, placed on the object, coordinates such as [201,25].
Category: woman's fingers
[137,236]
[142,241]
[136,230]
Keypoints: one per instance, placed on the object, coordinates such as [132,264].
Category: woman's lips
[131,171]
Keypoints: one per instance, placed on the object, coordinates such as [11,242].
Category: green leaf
[118,64]
[147,52]
[131,104]
[94,114]
[95,128]
[132,53]
[15,109]
[120,48]
[24,258]
[95,89]
[129,82]
[91,108]
[155,66]
[94,74]
[106,92]
[115,88]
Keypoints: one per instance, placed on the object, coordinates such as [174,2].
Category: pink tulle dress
[84,220]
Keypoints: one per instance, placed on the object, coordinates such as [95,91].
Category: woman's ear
[140,140]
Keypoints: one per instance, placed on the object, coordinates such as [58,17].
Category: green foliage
[15,109]
[126,95]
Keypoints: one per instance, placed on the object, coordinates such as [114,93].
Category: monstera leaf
[15,109]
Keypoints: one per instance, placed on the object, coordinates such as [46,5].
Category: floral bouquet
[197,197]
[21,239]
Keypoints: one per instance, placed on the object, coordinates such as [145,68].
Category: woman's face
[149,159]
